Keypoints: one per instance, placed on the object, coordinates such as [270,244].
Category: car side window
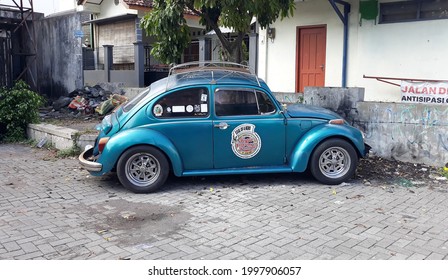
[237,102]
[191,102]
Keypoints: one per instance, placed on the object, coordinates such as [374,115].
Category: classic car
[212,118]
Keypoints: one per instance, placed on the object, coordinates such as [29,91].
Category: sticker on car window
[204,108]
[197,108]
[204,97]
[178,109]
[158,110]
[246,143]
[189,109]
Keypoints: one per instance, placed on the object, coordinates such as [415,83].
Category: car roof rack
[198,68]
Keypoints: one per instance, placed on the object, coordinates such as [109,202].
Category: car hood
[308,111]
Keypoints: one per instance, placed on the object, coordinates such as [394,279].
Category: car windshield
[151,91]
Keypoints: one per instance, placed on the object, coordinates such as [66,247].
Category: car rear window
[191,102]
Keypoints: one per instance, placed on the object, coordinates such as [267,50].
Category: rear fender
[122,141]
[307,143]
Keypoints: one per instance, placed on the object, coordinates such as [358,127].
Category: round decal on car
[158,110]
[246,143]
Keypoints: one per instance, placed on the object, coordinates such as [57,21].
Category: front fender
[305,146]
[122,141]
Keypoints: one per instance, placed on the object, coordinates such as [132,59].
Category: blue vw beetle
[215,119]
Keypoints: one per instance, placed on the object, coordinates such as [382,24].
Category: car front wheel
[333,161]
[142,169]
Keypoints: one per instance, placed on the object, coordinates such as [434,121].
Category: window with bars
[415,10]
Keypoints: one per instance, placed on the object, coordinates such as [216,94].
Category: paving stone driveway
[52,209]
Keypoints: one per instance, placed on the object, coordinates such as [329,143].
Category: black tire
[142,169]
[333,161]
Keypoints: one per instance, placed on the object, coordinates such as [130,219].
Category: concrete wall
[340,100]
[407,132]
[93,77]
[61,138]
[128,78]
[59,54]
[289,98]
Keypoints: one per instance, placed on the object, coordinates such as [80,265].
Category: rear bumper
[86,161]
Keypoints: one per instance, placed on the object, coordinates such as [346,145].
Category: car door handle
[222,125]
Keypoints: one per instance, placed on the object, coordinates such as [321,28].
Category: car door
[248,129]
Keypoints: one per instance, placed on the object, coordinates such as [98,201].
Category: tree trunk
[235,48]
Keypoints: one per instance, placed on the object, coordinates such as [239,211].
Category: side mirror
[284,108]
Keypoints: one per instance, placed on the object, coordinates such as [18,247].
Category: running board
[237,171]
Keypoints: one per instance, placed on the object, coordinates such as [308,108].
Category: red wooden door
[311,42]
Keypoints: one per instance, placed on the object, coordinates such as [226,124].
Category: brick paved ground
[52,209]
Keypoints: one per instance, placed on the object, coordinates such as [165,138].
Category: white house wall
[279,54]
[194,23]
[109,9]
[404,50]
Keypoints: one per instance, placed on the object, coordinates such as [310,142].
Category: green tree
[166,22]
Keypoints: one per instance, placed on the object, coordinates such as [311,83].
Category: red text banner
[424,92]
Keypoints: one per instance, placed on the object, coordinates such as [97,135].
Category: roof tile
[149,4]
[141,3]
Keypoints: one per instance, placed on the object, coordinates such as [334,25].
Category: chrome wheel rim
[142,169]
[334,162]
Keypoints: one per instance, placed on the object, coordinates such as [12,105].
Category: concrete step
[60,137]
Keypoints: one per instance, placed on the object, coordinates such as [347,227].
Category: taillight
[336,121]
[102,143]
[106,124]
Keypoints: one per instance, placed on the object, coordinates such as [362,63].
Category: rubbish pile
[90,100]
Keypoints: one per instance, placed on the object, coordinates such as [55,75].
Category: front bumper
[86,161]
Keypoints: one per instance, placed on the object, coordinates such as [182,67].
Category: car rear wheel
[333,161]
[142,169]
